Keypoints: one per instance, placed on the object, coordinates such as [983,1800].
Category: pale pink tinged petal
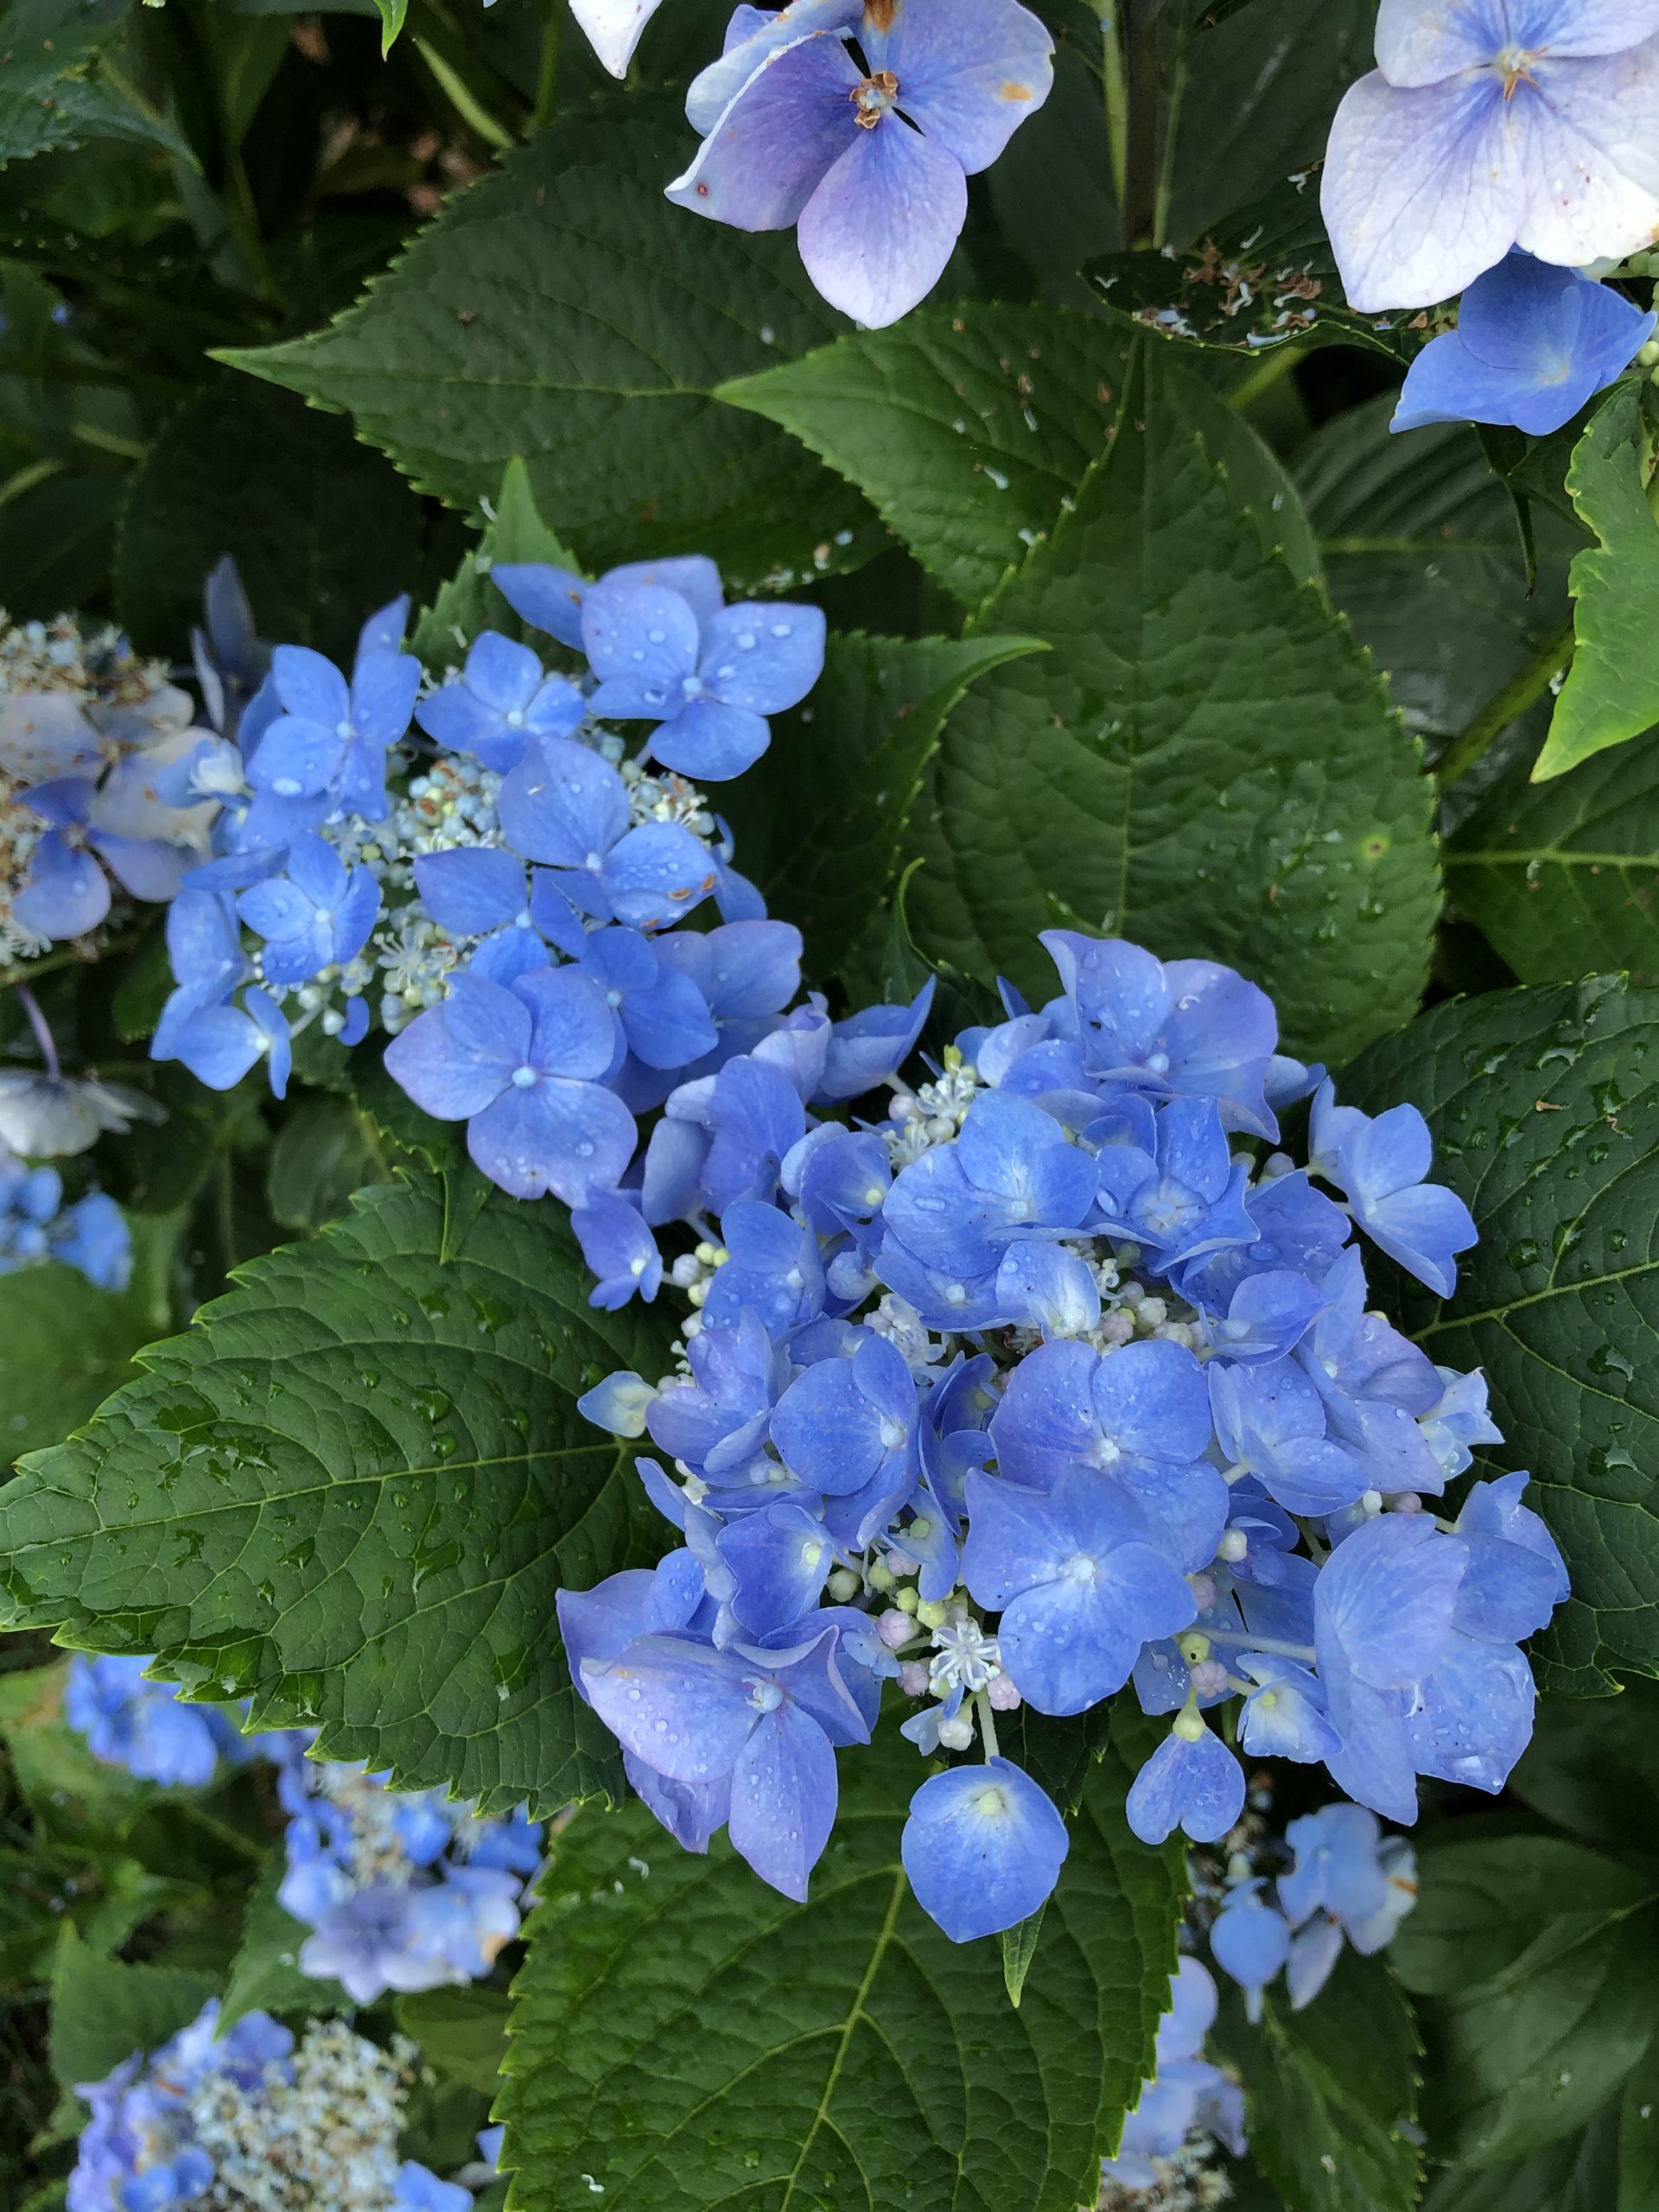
[1587,141]
[763,160]
[876,234]
[1422,190]
[614,28]
[1425,41]
[970,74]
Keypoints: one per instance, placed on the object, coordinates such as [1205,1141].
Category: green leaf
[1611,691]
[1638,2136]
[65,1345]
[1592,1765]
[1501,1909]
[1256,100]
[1544,1106]
[53,95]
[1537,1953]
[350,1493]
[469,602]
[1579,2174]
[1261,279]
[103,2011]
[684,2037]
[1331,2092]
[564,312]
[821,820]
[392,13]
[969,429]
[1422,555]
[1560,877]
[265,1974]
[75,1799]
[324,1151]
[1146,777]
[461,2033]
[320,527]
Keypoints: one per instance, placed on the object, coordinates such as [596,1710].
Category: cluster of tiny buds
[693,1271]
[931,1114]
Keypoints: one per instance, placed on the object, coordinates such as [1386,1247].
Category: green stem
[1117,98]
[986,1725]
[548,76]
[1262,377]
[1140,156]
[1523,691]
[460,95]
[1166,167]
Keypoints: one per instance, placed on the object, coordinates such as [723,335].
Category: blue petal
[983,1848]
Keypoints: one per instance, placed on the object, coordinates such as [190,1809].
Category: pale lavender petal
[1587,141]
[752,36]
[876,234]
[1424,42]
[764,157]
[970,74]
[1422,190]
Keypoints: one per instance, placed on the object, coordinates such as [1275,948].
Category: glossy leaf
[562,311]
[684,2037]
[1147,778]
[1611,691]
[1544,1106]
[350,1493]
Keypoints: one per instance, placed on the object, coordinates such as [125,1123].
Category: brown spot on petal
[879,13]
[1009,90]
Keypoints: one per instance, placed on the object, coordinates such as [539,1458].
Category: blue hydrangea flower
[501,700]
[619,1251]
[66,892]
[93,1236]
[1076,1580]
[1011,1171]
[1270,1423]
[765,1721]
[1191,1782]
[565,807]
[1485,126]
[220,1044]
[982,1848]
[333,737]
[417,2188]
[1176,1029]
[847,1428]
[1533,344]
[708,687]
[317,914]
[1380,1165]
[1250,1941]
[1185,2095]
[1347,1880]
[141,1726]
[553,599]
[522,1067]
[868,156]
[662,1017]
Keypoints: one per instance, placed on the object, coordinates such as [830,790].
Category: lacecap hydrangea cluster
[1507,151]
[1167,2159]
[1060,1378]
[89,1234]
[253,2120]
[1345,1882]
[481,870]
[87,730]
[400,1889]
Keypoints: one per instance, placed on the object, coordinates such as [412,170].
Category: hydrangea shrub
[827,1159]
